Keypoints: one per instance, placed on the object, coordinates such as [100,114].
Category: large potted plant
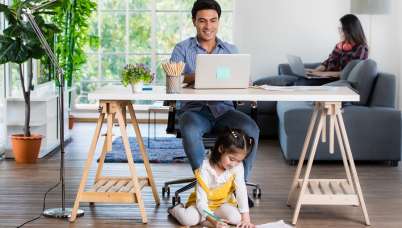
[136,76]
[19,44]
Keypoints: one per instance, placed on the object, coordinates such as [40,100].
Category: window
[139,31]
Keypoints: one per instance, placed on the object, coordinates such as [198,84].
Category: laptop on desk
[222,71]
[297,66]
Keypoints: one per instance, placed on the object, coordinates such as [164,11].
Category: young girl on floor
[220,188]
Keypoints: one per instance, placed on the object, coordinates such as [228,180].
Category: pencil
[213,216]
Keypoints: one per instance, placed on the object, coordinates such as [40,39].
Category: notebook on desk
[222,71]
[297,66]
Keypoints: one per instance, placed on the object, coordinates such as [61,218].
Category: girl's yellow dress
[216,196]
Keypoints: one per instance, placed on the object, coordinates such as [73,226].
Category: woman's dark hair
[205,4]
[228,141]
[352,29]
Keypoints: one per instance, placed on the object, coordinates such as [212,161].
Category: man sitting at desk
[199,117]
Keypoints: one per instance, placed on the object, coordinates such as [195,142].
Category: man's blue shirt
[186,51]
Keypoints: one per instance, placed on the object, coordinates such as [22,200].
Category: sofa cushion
[362,77]
[348,68]
[282,80]
[340,83]
[291,112]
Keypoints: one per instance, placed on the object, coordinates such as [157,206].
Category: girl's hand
[245,224]
[221,224]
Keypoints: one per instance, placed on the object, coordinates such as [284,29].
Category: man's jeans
[194,124]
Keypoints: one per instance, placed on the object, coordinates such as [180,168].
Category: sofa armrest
[384,91]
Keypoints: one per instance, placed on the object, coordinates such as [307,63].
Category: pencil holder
[173,84]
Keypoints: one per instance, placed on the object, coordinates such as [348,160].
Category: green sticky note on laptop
[223,73]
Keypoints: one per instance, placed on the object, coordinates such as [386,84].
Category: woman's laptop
[297,67]
[222,71]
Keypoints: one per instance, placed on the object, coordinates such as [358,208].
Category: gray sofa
[373,124]
[266,115]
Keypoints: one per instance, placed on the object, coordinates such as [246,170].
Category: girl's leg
[186,216]
[230,213]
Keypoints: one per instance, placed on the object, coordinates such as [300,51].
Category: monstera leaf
[18,43]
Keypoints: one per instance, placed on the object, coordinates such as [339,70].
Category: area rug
[159,150]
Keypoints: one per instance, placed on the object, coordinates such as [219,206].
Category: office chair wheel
[165,190]
[175,200]
[257,192]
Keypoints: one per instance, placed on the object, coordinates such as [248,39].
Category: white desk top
[305,93]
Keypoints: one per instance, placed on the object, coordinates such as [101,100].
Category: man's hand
[189,78]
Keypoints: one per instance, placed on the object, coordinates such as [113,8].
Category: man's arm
[178,55]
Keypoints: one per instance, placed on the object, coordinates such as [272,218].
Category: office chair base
[166,188]
[176,200]
[256,190]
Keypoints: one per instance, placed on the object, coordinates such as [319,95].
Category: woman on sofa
[352,45]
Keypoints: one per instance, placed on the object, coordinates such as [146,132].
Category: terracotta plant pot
[70,122]
[26,149]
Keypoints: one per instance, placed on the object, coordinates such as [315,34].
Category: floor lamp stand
[62,212]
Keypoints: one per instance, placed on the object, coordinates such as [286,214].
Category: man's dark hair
[205,5]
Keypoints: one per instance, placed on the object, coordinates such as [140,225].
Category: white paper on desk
[278,224]
[297,88]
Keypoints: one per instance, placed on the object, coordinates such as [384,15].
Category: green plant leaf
[6,45]
[13,30]
[18,52]
[8,13]
[52,28]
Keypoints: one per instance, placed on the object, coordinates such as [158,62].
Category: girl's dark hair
[352,29]
[228,141]
[205,4]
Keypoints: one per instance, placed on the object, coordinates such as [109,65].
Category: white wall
[386,41]
[270,29]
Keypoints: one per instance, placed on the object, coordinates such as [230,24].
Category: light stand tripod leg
[53,212]
[62,212]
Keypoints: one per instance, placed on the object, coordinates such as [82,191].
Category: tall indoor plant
[19,44]
[73,18]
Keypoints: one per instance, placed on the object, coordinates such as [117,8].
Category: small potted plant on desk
[19,44]
[135,76]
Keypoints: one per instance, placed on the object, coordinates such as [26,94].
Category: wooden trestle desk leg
[87,165]
[140,142]
[116,189]
[308,191]
[107,146]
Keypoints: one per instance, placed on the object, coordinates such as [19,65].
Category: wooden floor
[22,188]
